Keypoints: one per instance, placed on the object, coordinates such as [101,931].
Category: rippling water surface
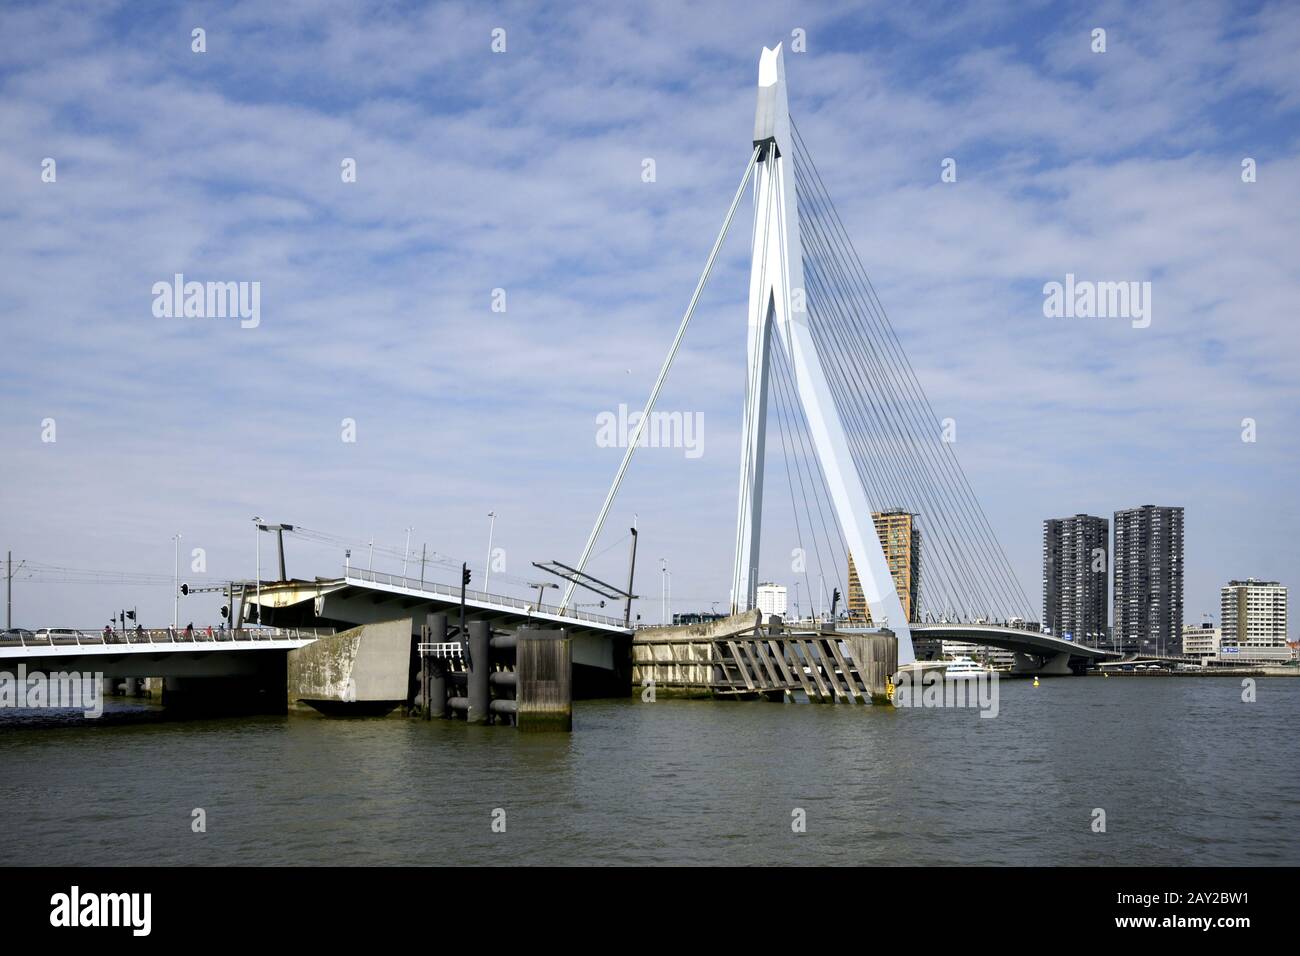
[1186,772]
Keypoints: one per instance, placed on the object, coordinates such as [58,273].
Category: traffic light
[185,589]
[130,615]
[225,610]
[464,575]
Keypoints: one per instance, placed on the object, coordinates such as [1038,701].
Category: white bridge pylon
[777,298]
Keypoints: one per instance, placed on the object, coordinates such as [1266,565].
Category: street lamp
[176,579]
[257,541]
[663,591]
[541,590]
[492,526]
[407,550]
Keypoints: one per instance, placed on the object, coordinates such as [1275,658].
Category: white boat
[963,668]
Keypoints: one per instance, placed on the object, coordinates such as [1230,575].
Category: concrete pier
[365,670]
[876,657]
[544,680]
[744,657]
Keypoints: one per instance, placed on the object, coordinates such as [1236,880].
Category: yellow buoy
[1035,680]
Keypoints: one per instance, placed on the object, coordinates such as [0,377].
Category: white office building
[771,599]
[1201,641]
[1253,622]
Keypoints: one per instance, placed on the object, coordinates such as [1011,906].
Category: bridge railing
[501,600]
[167,635]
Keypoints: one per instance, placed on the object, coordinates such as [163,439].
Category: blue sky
[522,171]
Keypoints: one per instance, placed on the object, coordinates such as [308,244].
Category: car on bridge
[59,635]
[16,635]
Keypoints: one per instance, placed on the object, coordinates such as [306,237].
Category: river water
[1185,771]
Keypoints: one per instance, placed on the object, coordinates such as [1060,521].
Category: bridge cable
[844,342]
[976,521]
[902,392]
[979,520]
[659,382]
[807,458]
[899,477]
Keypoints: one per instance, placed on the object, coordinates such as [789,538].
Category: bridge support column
[433,678]
[876,657]
[544,680]
[479,682]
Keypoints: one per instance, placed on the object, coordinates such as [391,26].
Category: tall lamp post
[257,541]
[492,526]
[407,550]
[663,591]
[176,579]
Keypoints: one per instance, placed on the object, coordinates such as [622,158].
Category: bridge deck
[1010,638]
[160,641]
[509,607]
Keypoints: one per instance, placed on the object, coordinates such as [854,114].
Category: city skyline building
[900,537]
[771,598]
[1147,580]
[1076,552]
[1201,641]
[1253,621]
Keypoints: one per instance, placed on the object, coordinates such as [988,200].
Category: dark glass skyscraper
[1147,588]
[1075,562]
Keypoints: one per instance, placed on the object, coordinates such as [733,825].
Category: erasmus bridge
[856,431]
[828,385]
